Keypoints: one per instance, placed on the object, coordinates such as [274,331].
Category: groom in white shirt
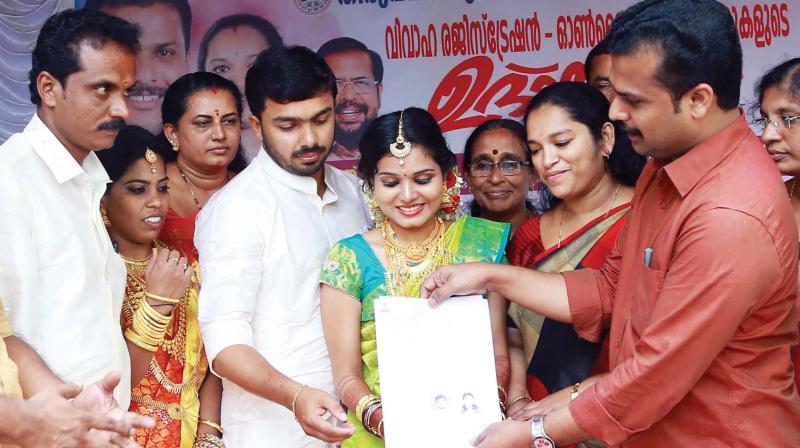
[262,242]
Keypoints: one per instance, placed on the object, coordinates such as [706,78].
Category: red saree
[556,357]
[178,233]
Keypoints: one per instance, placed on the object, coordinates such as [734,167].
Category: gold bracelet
[208,441]
[294,399]
[213,425]
[380,425]
[516,399]
[503,394]
[365,401]
[150,295]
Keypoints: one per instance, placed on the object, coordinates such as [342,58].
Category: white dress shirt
[262,241]
[60,279]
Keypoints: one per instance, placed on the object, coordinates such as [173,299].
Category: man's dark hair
[181,6]
[346,44]
[57,48]
[599,50]
[697,40]
[261,25]
[286,75]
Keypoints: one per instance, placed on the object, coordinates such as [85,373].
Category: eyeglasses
[359,85]
[507,167]
[761,122]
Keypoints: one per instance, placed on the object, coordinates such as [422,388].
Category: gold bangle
[516,399]
[503,394]
[380,425]
[150,295]
[365,401]
[213,425]
[208,441]
[294,399]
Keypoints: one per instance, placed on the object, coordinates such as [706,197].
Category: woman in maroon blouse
[588,170]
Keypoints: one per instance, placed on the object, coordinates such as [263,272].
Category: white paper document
[436,367]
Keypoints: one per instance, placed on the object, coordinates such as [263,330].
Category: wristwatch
[540,438]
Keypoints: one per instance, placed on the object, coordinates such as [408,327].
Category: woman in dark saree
[588,170]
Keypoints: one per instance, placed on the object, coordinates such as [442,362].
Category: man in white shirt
[60,279]
[262,242]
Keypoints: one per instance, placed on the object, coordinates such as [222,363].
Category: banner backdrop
[463,60]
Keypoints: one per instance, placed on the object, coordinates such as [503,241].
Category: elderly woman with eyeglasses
[778,93]
[497,168]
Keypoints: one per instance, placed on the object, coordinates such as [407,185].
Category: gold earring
[375,211]
[104,215]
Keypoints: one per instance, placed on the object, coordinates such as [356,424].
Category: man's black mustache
[114,124]
[631,131]
[309,150]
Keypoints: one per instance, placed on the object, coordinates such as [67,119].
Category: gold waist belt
[174,410]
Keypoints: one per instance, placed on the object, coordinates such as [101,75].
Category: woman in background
[228,49]
[201,114]
[497,168]
[778,93]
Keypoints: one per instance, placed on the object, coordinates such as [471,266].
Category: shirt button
[616,344]
[663,204]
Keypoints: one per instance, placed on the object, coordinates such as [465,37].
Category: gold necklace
[564,206]
[406,269]
[189,186]
[414,253]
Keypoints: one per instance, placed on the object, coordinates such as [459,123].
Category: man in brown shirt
[699,290]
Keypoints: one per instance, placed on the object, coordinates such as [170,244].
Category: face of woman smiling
[499,194]
[136,206]
[410,195]
[565,154]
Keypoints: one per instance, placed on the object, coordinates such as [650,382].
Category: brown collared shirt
[700,338]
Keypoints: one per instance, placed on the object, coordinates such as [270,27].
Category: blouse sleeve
[342,271]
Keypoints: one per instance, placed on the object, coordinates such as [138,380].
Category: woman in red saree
[778,93]
[201,114]
[169,372]
[588,170]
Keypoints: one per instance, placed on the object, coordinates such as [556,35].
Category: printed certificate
[437,374]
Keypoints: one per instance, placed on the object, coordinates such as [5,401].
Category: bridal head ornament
[400,148]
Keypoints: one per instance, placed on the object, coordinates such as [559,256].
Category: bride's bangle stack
[366,406]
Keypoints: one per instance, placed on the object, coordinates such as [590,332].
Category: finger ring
[173,259]
[184,265]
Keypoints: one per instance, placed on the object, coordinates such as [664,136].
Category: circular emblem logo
[312,7]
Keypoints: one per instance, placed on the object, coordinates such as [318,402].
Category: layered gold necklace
[174,346]
[410,264]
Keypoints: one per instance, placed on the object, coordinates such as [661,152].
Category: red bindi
[216,112]
[494,152]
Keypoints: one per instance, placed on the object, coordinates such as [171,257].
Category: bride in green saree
[412,190]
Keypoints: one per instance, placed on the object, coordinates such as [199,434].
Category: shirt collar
[304,184]
[58,160]
[687,170]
